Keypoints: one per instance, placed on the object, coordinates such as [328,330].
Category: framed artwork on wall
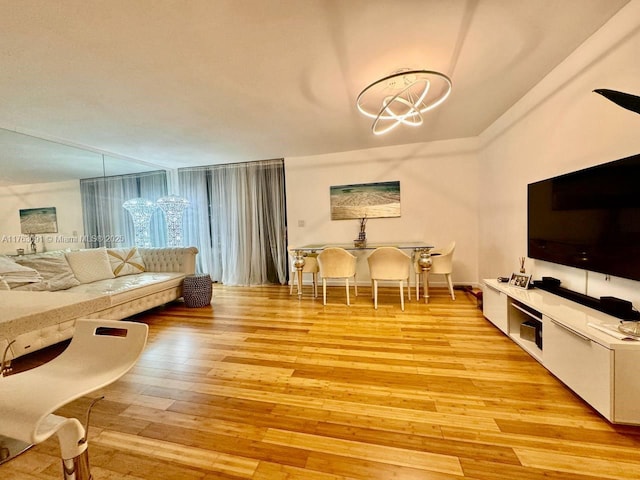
[365,200]
[38,220]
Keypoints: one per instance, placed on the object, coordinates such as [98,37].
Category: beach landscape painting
[365,200]
[38,220]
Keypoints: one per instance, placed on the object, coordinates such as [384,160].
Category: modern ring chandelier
[402,97]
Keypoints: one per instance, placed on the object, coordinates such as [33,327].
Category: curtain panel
[237,220]
[106,222]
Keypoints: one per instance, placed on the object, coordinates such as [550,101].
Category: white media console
[602,369]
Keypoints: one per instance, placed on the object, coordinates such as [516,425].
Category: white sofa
[38,314]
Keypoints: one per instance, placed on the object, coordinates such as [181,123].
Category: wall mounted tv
[589,219]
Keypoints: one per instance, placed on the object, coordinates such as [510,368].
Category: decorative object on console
[37,220]
[365,200]
[173,207]
[630,328]
[520,280]
[402,97]
[625,100]
[522,260]
[141,211]
[361,241]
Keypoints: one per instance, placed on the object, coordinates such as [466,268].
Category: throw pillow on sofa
[54,269]
[90,265]
[125,261]
[16,275]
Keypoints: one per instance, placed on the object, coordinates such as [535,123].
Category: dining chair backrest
[443,263]
[389,263]
[336,262]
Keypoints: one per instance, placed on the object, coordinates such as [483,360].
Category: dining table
[421,250]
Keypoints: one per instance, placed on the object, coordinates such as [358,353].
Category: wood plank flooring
[264,386]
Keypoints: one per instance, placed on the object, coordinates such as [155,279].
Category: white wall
[558,127]
[65,196]
[438,189]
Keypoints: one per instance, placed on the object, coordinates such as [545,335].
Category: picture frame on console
[520,280]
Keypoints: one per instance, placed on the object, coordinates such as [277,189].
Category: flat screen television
[589,219]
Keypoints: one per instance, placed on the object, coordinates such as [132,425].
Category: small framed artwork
[38,220]
[520,280]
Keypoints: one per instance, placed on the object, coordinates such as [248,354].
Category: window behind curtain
[106,222]
[237,220]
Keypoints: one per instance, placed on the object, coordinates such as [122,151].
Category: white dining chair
[336,262]
[441,264]
[389,264]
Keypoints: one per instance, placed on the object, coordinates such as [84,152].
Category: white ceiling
[196,82]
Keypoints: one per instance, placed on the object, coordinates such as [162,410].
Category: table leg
[425,265]
[298,263]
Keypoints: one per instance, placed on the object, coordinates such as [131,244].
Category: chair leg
[402,294]
[375,294]
[346,282]
[315,285]
[324,291]
[453,296]
[355,285]
[418,286]
[409,287]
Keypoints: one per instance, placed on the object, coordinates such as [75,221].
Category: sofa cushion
[54,269]
[16,275]
[90,265]
[125,261]
[129,288]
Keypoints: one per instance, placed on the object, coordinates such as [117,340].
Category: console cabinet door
[494,307]
[582,364]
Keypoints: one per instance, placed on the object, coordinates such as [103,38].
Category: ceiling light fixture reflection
[402,97]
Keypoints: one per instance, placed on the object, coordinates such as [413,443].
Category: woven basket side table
[197,290]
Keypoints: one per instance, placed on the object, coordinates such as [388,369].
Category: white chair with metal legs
[389,263]
[335,262]
[441,264]
[100,352]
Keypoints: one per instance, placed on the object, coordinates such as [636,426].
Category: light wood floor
[265,386]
